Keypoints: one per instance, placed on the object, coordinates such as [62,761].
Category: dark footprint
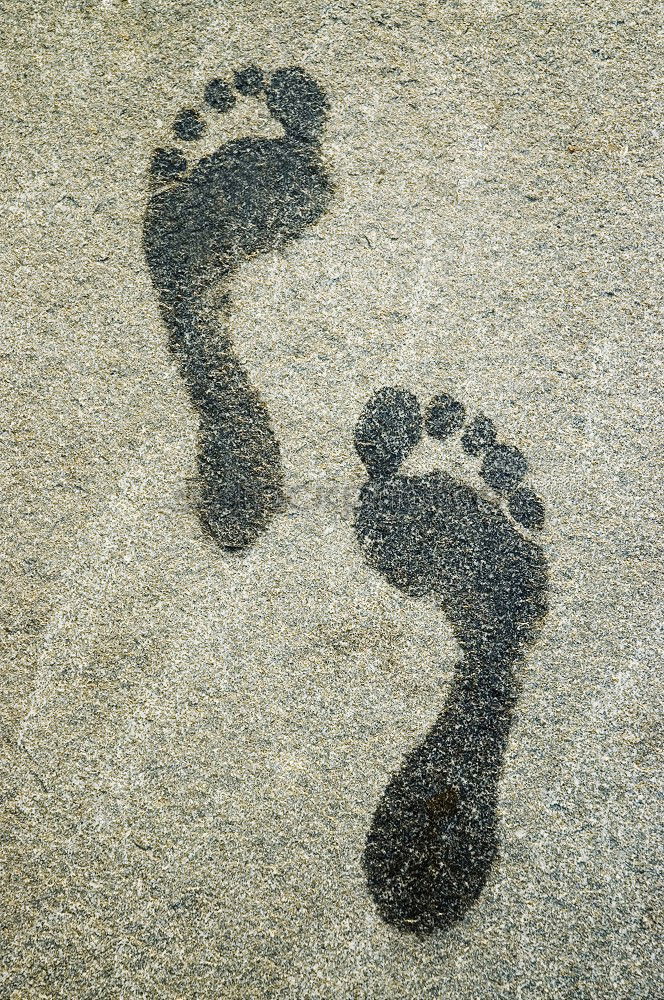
[248,197]
[433,837]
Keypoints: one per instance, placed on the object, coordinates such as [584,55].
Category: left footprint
[250,196]
[434,835]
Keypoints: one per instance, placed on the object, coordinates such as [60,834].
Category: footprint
[202,220]
[433,837]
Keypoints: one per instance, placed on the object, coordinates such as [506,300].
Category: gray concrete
[194,744]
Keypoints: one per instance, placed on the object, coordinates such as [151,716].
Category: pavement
[195,741]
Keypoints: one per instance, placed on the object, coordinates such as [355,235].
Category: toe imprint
[478,435]
[433,837]
[204,217]
[298,103]
[189,125]
[249,81]
[168,164]
[503,467]
[218,95]
[388,430]
[527,508]
[444,416]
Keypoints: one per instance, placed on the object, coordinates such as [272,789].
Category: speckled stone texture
[194,743]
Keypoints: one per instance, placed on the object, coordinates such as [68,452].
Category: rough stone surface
[195,741]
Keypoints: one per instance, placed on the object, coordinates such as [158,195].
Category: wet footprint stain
[250,196]
[433,838]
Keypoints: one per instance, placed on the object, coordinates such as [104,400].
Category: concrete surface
[194,743]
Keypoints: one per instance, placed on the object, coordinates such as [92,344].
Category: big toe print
[433,837]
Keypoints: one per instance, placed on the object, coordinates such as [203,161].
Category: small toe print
[479,434]
[218,95]
[189,125]
[503,467]
[444,416]
[527,508]
[249,81]
[167,164]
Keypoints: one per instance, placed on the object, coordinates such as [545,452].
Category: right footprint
[207,215]
[433,837]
